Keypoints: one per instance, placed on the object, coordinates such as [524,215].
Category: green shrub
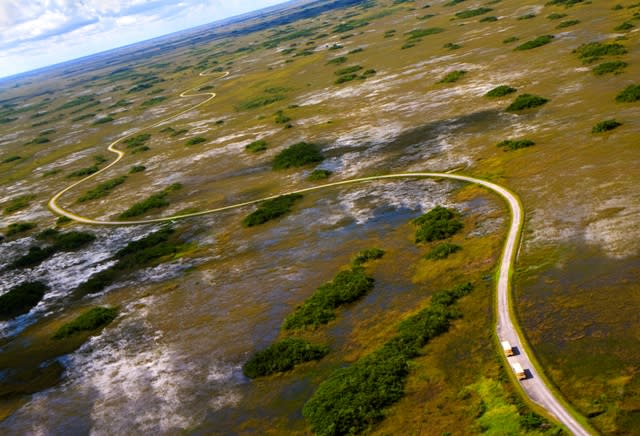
[195,140]
[260,102]
[452,46]
[352,399]
[534,43]
[19,227]
[337,61]
[489,19]
[319,175]
[346,287]
[517,144]
[624,27]
[153,101]
[83,172]
[346,78]
[420,33]
[90,320]
[594,51]
[283,356]
[348,70]
[442,251]
[526,101]
[102,189]
[526,16]
[137,141]
[566,3]
[629,95]
[297,155]
[256,146]
[510,39]
[366,255]
[469,13]
[60,242]
[556,16]
[609,67]
[281,118]
[567,23]
[83,99]
[271,209]
[437,224]
[21,299]
[18,203]
[501,91]
[605,126]
[453,76]
[154,201]
[104,120]
[137,169]
[11,159]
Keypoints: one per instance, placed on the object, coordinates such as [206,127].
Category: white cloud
[36,33]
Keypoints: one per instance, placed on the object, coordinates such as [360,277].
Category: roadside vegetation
[21,299]
[354,398]
[283,356]
[154,201]
[89,321]
[437,224]
[297,155]
[102,190]
[271,209]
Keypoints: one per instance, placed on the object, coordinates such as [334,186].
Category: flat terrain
[381,87]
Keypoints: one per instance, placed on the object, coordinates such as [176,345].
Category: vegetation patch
[534,43]
[515,144]
[346,287]
[437,224]
[337,61]
[629,95]
[281,117]
[256,146]
[21,299]
[319,175]
[353,399]
[83,172]
[365,256]
[605,126]
[624,27]
[137,254]
[510,39]
[137,141]
[452,46]
[501,91]
[556,16]
[137,169]
[526,101]
[153,101]
[11,159]
[104,120]
[195,140]
[70,241]
[154,201]
[567,23]
[19,227]
[18,203]
[489,19]
[420,33]
[260,101]
[442,251]
[297,155]
[102,189]
[614,67]
[271,209]
[469,13]
[283,356]
[527,16]
[453,76]
[594,51]
[91,320]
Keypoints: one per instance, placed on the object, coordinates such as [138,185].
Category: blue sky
[37,33]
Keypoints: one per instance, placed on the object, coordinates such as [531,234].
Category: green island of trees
[70,241]
[21,299]
[19,227]
[346,287]
[605,126]
[137,254]
[515,144]
[453,76]
[102,189]
[442,251]
[353,399]
[526,101]
[90,320]
[535,43]
[437,224]
[630,94]
[154,201]
[256,146]
[594,51]
[501,91]
[614,67]
[297,155]
[283,356]
[271,209]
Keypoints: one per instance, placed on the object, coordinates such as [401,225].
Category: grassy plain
[579,262]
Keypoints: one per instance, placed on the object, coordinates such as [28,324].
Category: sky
[37,33]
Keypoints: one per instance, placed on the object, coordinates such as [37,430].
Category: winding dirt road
[534,386]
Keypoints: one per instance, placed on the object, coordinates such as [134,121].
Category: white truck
[507,348]
[517,368]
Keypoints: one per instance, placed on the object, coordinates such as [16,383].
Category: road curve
[534,386]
